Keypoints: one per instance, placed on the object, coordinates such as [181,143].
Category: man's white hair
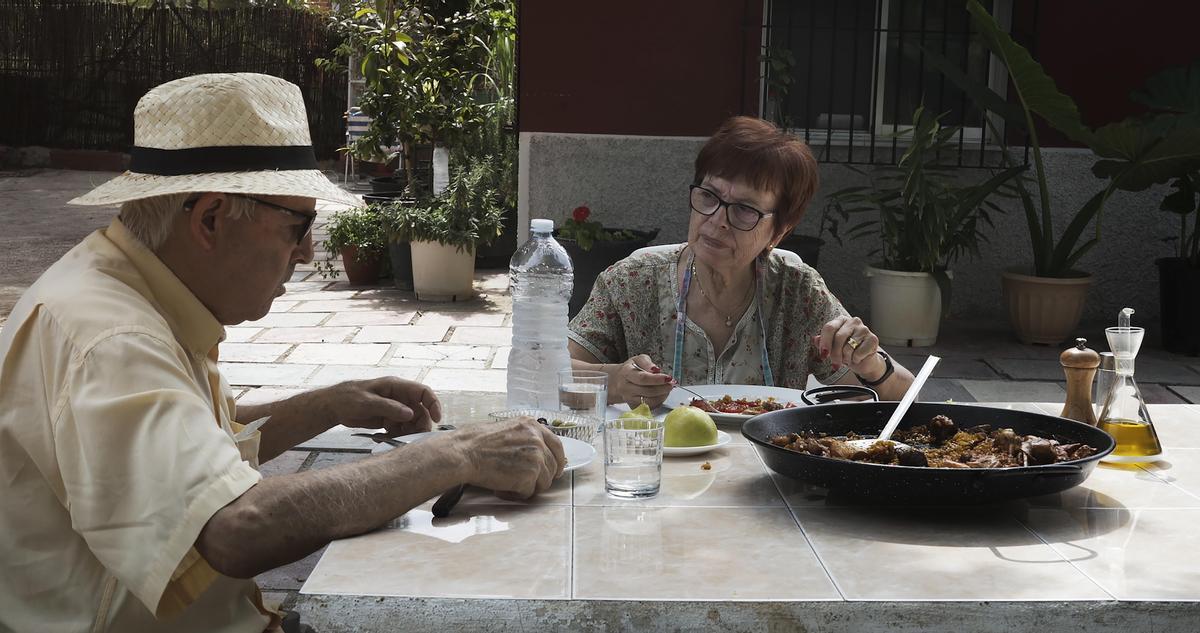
[151,219]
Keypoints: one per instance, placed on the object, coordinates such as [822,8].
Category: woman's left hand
[846,340]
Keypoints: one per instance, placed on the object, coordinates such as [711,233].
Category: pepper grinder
[1080,365]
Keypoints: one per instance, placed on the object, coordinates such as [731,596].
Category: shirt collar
[191,321]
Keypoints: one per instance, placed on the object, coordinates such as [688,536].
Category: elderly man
[128,496]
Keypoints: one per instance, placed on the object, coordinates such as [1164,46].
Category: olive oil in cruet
[1124,415]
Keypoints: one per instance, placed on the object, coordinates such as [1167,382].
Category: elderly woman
[724,308]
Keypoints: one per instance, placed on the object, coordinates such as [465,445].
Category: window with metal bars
[848,74]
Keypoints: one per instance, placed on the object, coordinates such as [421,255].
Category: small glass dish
[564,423]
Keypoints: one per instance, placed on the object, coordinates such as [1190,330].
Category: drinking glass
[633,451]
[583,392]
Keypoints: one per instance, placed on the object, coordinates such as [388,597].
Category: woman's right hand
[638,380]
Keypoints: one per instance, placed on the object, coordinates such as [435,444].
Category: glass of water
[583,392]
[633,451]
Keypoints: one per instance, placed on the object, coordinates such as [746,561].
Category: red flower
[581,214]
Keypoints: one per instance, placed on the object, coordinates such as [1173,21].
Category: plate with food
[723,438]
[736,403]
[578,454]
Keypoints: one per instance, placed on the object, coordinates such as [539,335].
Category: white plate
[679,397]
[579,454]
[683,451]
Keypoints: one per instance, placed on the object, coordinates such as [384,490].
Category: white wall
[641,182]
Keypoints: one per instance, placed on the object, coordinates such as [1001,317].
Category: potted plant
[424,64]
[593,249]
[1162,146]
[1046,299]
[356,236]
[445,231]
[924,220]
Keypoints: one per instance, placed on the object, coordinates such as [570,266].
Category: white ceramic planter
[906,308]
[442,273]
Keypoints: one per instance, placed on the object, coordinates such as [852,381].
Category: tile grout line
[795,519]
[1063,556]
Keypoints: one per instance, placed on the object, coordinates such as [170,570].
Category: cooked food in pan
[941,444]
[743,406]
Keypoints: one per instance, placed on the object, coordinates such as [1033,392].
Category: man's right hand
[515,458]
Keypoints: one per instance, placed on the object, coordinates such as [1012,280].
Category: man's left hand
[398,406]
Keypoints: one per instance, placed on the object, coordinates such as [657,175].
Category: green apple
[689,426]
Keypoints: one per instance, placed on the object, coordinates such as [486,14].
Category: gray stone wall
[640,182]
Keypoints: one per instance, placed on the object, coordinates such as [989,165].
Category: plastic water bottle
[541,277]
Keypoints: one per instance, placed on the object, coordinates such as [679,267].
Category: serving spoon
[901,409]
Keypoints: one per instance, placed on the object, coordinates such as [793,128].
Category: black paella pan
[922,485]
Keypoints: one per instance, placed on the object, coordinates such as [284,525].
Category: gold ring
[853,342]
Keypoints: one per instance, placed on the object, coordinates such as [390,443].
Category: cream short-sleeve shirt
[116,447]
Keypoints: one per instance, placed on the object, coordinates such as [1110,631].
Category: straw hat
[230,132]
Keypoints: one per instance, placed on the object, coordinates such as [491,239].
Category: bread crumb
[706,466]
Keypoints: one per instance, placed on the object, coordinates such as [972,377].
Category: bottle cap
[541,225]
[1108,361]
[1079,357]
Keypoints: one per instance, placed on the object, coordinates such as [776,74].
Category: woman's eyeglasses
[742,217]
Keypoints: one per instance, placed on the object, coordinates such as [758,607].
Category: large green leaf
[1138,157]
[984,96]
[1172,90]
[1035,89]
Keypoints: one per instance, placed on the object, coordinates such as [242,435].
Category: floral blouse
[632,311]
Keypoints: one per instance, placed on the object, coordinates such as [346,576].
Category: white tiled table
[740,548]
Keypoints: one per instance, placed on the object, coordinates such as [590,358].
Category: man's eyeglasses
[302,229]
[742,217]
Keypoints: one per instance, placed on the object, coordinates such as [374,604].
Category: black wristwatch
[887,371]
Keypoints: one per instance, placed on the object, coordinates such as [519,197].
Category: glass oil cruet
[1124,415]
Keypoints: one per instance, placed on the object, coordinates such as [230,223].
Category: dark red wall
[645,67]
[680,67]
[1099,51]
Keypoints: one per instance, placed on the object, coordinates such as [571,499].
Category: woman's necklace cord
[720,313]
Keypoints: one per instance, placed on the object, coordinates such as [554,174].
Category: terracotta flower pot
[1044,309]
[363,272]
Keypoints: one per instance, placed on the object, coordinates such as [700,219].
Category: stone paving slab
[266,374]
[288,319]
[264,395]
[290,577]
[282,306]
[401,334]
[1028,369]
[240,334]
[305,335]
[253,352]
[338,353]
[1191,394]
[471,335]
[454,319]
[490,380]
[337,438]
[500,359]
[949,367]
[1009,391]
[440,355]
[345,305]
[378,317]
[333,374]
[1159,394]
[943,389]
[285,464]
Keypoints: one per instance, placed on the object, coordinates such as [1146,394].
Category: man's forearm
[284,518]
[293,420]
